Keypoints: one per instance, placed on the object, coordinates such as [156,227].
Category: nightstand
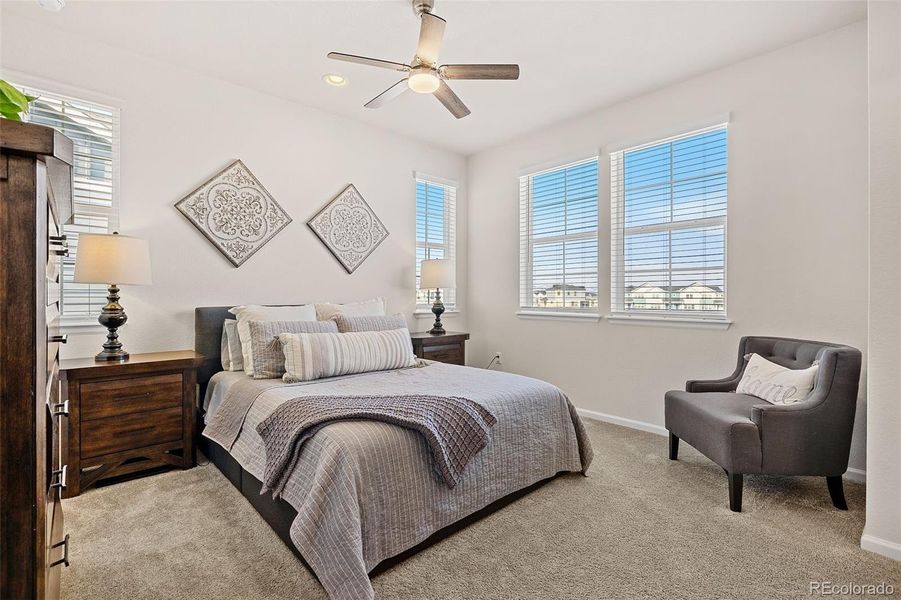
[448,348]
[127,417]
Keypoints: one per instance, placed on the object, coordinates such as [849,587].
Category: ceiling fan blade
[479,71]
[372,62]
[431,32]
[450,101]
[390,94]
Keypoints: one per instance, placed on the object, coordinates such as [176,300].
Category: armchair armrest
[807,438]
[727,384]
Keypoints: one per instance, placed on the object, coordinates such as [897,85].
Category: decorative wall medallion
[235,212]
[348,228]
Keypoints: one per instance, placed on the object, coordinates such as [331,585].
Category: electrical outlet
[497,356]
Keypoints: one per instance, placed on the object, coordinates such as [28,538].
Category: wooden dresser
[447,348]
[130,416]
[35,200]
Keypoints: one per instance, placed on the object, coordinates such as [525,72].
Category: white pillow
[774,383]
[232,359]
[310,356]
[255,312]
[368,308]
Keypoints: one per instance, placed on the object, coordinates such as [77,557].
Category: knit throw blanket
[456,429]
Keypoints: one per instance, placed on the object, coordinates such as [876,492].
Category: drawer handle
[60,251]
[133,431]
[57,238]
[62,339]
[63,475]
[65,559]
[61,409]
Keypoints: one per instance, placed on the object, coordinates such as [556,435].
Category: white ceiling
[574,56]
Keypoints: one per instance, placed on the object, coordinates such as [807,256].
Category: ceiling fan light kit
[424,75]
[423,80]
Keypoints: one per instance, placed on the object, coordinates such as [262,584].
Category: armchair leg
[735,483]
[837,492]
[673,447]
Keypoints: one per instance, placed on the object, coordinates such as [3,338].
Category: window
[558,232]
[94,129]
[668,226]
[436,226]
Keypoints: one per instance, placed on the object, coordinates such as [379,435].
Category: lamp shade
[109,259]
[438,273]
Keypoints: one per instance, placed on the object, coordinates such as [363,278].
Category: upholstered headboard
[208,339]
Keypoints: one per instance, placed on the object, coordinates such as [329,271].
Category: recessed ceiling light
[52,5]
[334,79]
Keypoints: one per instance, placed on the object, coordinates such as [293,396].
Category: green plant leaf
[13,95]
[31,98]
[8,107]
[11,116]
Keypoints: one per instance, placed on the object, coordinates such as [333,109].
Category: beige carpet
[639,526]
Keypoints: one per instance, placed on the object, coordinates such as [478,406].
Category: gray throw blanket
[456,429]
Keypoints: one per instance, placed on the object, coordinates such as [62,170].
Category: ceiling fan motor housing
[421,6]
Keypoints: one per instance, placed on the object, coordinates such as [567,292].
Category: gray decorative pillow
[355,324]
[268,358]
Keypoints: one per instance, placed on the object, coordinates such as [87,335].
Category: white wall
[797,250]
[178,128]
[883,529]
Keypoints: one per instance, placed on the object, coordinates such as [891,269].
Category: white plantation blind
[436,232]
[668,226]
[94,129]
[558,232]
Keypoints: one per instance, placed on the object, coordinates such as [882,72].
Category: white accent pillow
[368,308]
[310,356]
[774,383]
[232,359]
[255,312]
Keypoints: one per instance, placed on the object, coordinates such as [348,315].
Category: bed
[363,494]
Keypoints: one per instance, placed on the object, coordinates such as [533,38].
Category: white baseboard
[852,474]
[881,546]
[631,423]
[858,475]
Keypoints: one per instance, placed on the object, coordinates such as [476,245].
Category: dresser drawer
[101,399]
[127,432]
[446,354]
[57,556]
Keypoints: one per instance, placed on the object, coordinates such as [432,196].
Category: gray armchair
[744,434]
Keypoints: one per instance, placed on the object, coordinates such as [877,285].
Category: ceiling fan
[423,74]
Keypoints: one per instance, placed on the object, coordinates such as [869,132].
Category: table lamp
[438,273]
[112,259]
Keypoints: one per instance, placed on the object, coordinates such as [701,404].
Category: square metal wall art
[348,228]
[235,212]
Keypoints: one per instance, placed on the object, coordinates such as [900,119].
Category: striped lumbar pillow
[310,356]
[268,358]
[350,324]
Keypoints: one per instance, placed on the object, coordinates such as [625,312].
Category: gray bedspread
[364,491]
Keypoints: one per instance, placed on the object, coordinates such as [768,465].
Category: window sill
[422,313]
[558,315]
[669,321]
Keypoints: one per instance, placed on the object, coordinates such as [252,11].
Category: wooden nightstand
[130,416]
[448,348]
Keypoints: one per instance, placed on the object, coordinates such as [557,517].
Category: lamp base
[112,316]
[437,310]
[105,356]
